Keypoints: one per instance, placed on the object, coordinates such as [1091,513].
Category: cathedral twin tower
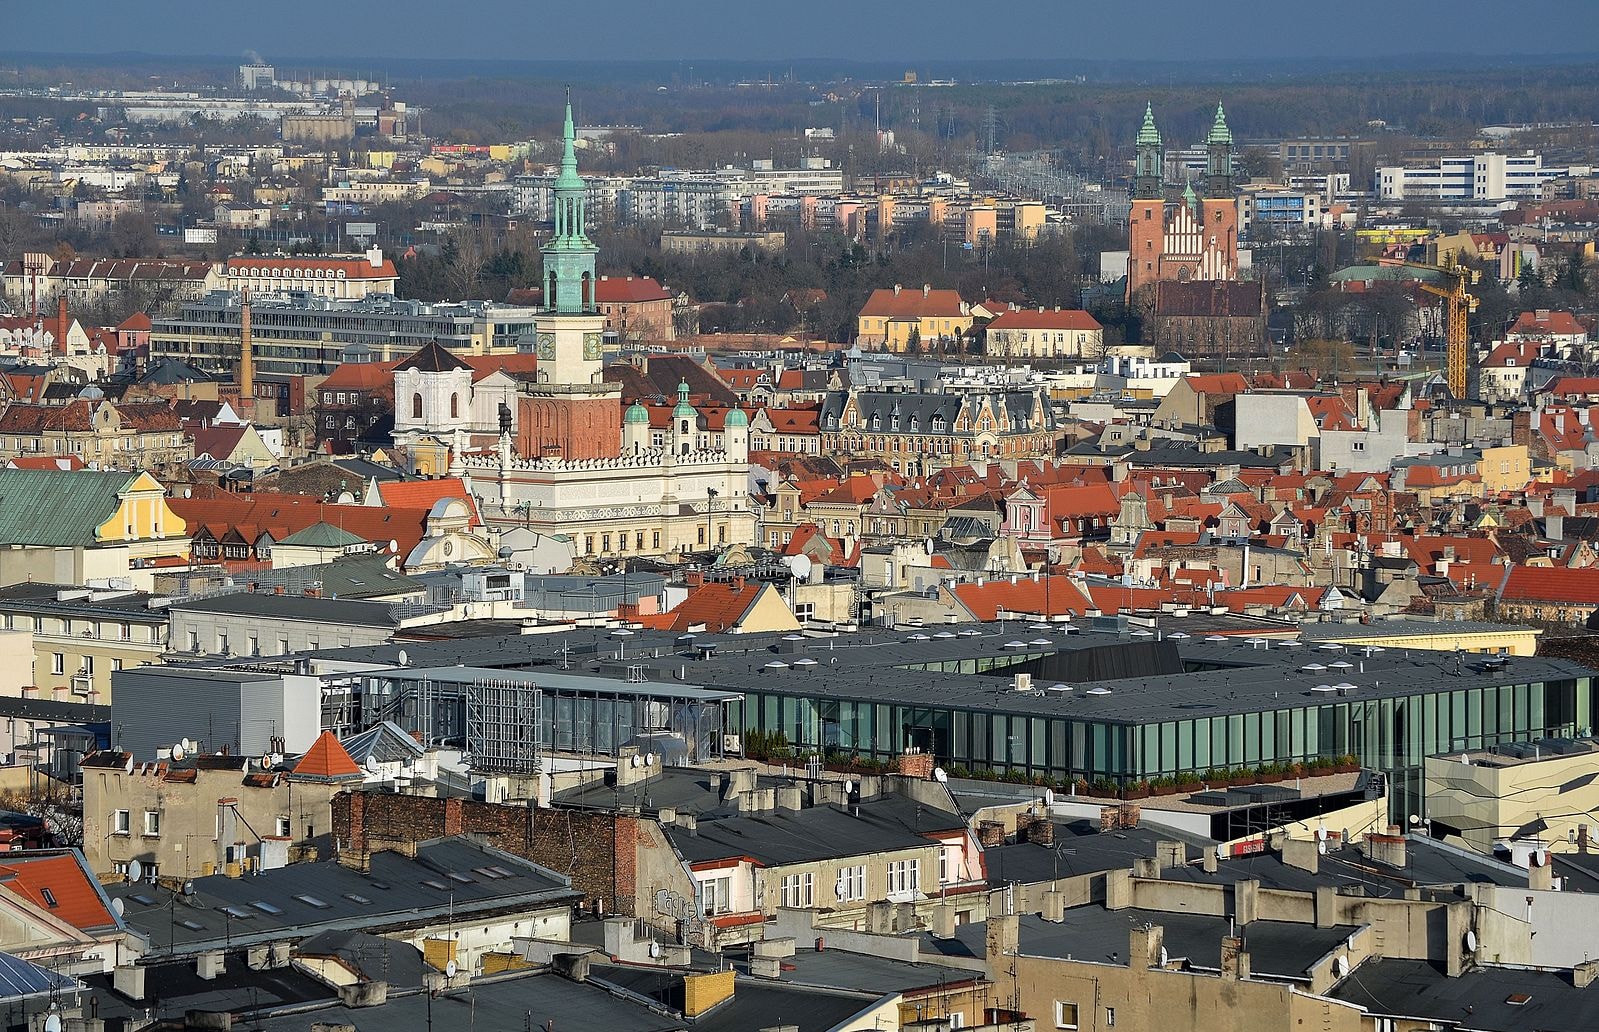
[1194,238]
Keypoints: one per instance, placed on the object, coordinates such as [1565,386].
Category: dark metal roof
[1478,998]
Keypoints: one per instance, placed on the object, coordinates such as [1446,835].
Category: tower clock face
[547,346]
[591,346]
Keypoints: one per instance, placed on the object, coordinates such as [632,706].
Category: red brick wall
[599,852]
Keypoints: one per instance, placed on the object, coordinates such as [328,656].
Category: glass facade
[1391,734]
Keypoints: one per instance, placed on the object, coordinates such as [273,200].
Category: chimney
[1234,961]
[246,348]
[1389,848]
[1582,975]
[374,257]
[897,289]
[1554,527]
[63,324]
[927,289]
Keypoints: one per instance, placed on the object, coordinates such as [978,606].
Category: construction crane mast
[1458,306]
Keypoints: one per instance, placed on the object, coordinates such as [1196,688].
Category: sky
[366,31]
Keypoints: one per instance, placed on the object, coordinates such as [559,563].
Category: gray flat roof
[1479,997]
[300,900]
[332,611]
[1207,674]
[555,680]
[814,833]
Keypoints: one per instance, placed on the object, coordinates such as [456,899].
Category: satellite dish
[1471,941]
[802,567]
[849,788]
[394,546]
[939,776]
[266,761]
[188,888]
[178,752]
[1165,958]
[372,764]
[1321,846]
[52,1023]
[634,761]
[135,870]
[1321,833]
[405,658]
[118,906]
[1049,797]
[1341,966]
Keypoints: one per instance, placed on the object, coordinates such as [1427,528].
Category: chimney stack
[246,348]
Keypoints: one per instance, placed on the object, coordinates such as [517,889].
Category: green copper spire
[1190,198]
[1149,136]
[569,257]
[683,410]
[1219,133]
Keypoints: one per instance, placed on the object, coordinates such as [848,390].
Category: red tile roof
[285,514]
[1548,324]
[1551,584]
[629,290]
[1059,594]
[717,606]
[1034,319]
[326,759]
[424,494]
[361,375]
[1217,383]
[910,303]
[354,267]
[78,900]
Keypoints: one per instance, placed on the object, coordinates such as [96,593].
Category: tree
[133,235]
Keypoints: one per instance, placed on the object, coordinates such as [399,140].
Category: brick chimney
[63,324]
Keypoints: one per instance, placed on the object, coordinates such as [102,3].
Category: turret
[736,435]
[685,423]
[1219,163]
[635,429]
[1149,172]
[569,257]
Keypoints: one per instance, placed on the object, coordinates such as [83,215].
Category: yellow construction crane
[1458,306]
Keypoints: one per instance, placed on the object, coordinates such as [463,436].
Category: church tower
[1219,162]
[1146,226]
[1220,204]
[571,327]
[570,411]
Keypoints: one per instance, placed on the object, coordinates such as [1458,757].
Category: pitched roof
[432,358]
[1551,584]
[899,303]
[1210,298]
[1059,594]
[352,267]
[1044,319]
[321,535]
[629,290]
[56,507]
[326,759]
[1544,323]
[719,605]
[424,494]
[360,375]
[44,877]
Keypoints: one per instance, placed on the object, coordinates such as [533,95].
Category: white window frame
[904,875]
[121,822]
[152,824]
[852,883]
[716,895]
[798,890]
[1061,1014]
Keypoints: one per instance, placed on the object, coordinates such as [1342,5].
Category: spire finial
[1149,134]
[1219,133]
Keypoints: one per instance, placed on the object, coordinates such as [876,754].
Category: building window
[283,827]
[119,822]
[152,823]
[1065,1014]
[716,896]
[904,875]
[799,890]
[58,663]
[852,883]
[455,406]
[416,406]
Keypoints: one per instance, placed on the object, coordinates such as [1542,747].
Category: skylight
[312,901]
[267,908]
[356,897]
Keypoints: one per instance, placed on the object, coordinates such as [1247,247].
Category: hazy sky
[895,30]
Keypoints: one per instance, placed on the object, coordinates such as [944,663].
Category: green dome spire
[1190,198]
[737,417]
[683,410]
[1219,133]
[568,179]
[636,414]
[1149,136]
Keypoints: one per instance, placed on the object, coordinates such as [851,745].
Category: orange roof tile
[59,877]
[326,759]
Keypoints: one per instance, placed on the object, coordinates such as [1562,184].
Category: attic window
[356,897]
[191,925]
[312,901]
[461,878]
[49,898]
[434,883]
[267,908]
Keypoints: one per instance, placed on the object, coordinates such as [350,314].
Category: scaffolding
[502,726]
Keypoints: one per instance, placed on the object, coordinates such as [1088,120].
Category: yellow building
[1535,791]
[78,637]
[73,526]
[1506,468]
[895,318]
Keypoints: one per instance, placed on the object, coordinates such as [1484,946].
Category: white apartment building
[1489,176]
[696,198]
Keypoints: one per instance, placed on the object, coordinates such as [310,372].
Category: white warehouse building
[1489,176]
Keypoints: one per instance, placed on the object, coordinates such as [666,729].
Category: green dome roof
[636,413]
[683,409]
[1149,136]
[737,418]
[1219,133]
